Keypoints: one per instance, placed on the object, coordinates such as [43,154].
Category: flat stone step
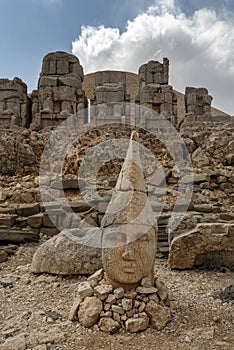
[17,236]
[164,250]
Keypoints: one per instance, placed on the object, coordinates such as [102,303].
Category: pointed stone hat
[129,210]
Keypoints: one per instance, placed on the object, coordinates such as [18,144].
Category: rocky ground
[34,311]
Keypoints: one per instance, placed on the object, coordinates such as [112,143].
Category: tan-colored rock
[119,293]
[96,276]
[3,255]
[103,290]
[127,304]
[107,324]
[146,290]
[162,290]
[65,256]
[89,311]
[190,248]
[134,325]
[74,309]
[159,315]
[129,226]
[111,299]
[2,195]
[85,290]
[17,342]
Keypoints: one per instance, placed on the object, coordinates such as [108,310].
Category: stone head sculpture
[129,229]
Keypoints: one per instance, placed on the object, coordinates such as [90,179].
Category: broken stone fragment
[96,276]
[134,325]
[3,255]
[119,292]
[85,290]
[146,290]
[127,304]
[64,255]
[107,324]
[103,290]
[17,342]
[89,311]
[159,315]
[162,290]
[191,248]
[74,309]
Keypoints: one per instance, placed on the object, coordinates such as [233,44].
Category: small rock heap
[113,308]
[125,293]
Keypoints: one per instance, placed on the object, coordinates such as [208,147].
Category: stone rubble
[111,309]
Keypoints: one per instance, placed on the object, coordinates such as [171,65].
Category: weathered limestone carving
[154,91]
[198,101]
[109,97]
[60,91]
[125,293]
[129,227]
[14,102]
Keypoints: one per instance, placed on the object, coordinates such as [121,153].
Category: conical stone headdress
[129,210]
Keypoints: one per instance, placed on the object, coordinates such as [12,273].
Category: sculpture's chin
[126,283]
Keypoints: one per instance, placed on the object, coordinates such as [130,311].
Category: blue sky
[197,36]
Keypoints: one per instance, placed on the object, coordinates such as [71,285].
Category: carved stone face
[127,264]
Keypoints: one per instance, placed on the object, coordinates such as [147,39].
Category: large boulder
[207,242]
[66,255]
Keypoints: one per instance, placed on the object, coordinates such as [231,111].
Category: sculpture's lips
[129,266]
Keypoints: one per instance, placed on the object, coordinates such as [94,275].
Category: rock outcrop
[65,256]
[207,242]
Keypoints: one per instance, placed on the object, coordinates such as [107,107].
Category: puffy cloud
[200,48]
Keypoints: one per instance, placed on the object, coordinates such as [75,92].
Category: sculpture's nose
[129,252]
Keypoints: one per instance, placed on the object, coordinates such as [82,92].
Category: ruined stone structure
[109,97]
[154,91]
[198,101]
[14,103]
[59,93]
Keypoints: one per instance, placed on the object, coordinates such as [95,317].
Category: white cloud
[200,48]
